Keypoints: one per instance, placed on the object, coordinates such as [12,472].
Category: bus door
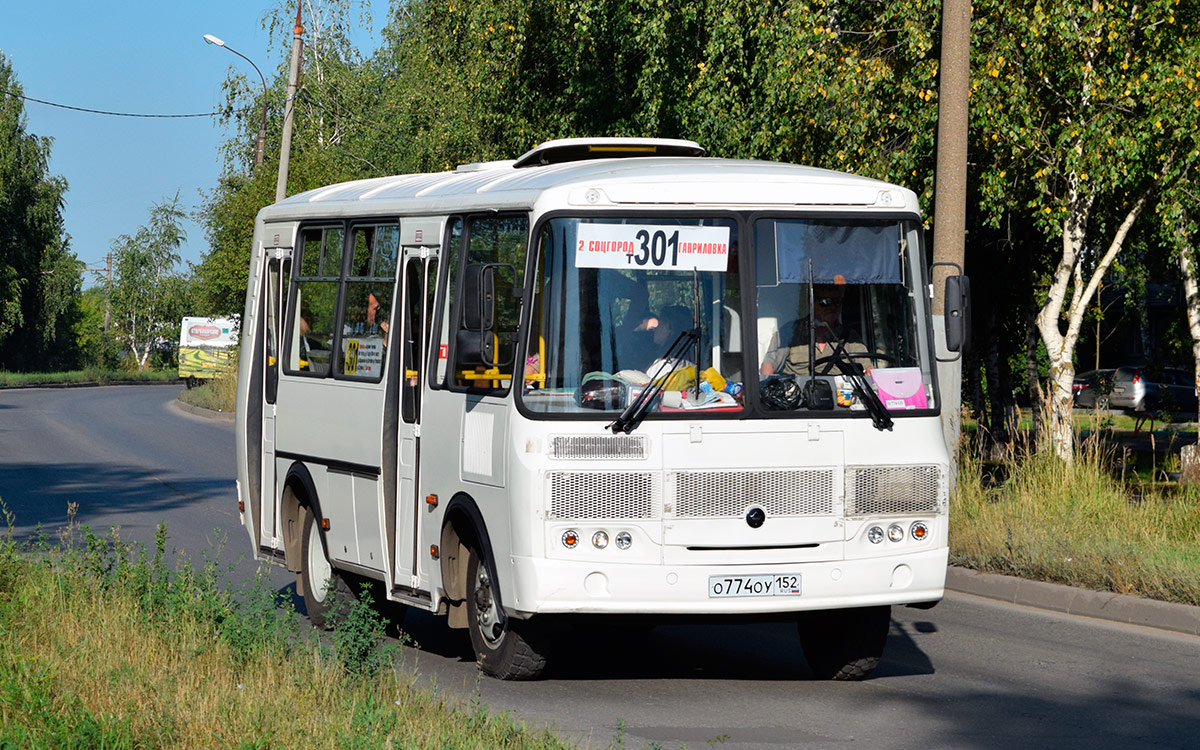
[275,280]
[417,282]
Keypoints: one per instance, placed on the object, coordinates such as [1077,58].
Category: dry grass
[1076,524]
[96,651]
[218,394]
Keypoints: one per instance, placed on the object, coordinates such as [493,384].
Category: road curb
[1102,605]
[200,411]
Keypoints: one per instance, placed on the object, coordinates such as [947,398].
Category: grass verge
[102,646]
[1076,524]
[90,375]
[218,394]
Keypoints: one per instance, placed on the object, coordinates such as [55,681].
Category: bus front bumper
[542,586]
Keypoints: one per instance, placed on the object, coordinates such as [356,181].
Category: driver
[792,357]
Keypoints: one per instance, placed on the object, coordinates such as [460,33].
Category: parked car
[1150,389]
[1091,389]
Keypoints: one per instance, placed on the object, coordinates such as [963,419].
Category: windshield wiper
[858,381]
[633,414]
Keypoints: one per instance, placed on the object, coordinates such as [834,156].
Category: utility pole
[107,291]
[950,201]
[285,146]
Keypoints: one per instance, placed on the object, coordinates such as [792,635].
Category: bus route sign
[652,247]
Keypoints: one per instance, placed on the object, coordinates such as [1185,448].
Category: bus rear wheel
[505,648]
[844,644]
[323,589]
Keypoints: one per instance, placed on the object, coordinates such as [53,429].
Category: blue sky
[144,57]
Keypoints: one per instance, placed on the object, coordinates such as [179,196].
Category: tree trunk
[1191,295]
[1060,345]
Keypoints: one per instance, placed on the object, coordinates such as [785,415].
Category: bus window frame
[456,305]
[739,218]
[347,226]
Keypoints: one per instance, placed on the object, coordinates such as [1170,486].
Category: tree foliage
[146,295]
[39,275]
[1083,122]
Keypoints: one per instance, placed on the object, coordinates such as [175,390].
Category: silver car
[1143,389]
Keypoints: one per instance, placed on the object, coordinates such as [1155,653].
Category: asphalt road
[971,673]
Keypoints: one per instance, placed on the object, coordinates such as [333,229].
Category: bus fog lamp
[624,540]
[570,538]
[895,533]
[875,535]
[600,539]
[919,531]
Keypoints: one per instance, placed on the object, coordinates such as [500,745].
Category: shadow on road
[39,494]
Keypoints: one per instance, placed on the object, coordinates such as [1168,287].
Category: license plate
[785,584]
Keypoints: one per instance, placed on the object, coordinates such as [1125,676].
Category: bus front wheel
[506,648]
[321,586]
[844,644]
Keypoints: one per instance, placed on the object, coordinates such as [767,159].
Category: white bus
[580,386]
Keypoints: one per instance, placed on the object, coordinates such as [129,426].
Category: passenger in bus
[653,336]
[792,358]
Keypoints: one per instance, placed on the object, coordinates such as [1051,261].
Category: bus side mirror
[476,348]
[958,313]
[479,297]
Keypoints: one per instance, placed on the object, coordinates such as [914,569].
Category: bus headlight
[624,540]
[600,539]
[875,535]
[896,533]
[570,538]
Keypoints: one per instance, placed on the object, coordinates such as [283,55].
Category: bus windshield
[612,295]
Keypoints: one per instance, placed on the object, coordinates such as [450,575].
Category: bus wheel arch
[462,527]
[505,647]
[299,493]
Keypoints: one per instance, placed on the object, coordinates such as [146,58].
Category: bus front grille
[890,490]
[604,495]
[727,494]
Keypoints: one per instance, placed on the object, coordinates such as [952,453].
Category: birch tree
[146,293]
[1069,102]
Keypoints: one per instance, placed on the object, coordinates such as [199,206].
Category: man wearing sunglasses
[792,358]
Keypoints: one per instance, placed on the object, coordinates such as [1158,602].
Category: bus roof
[631,179]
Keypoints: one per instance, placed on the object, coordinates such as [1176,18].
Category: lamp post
[262,123]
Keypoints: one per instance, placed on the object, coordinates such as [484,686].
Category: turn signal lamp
[570,538]
[919,531]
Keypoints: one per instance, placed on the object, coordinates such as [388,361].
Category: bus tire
[505,648]
[323,589]
[844,644]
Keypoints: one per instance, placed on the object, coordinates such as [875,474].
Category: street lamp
[262,124]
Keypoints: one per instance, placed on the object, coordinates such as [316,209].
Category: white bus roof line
[641,179]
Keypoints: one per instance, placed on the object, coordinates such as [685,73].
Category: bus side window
[314,302]
[500,240]
[368,304]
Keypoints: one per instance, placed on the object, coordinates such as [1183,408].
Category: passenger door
[418,278]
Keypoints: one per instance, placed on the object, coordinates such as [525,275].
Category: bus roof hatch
[581,149]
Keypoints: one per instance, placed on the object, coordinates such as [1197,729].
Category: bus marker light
[241,507]
[324,524]
[600,539]
[919,531]
[895,533]
[570,538]
[431,500]
[433,551]
[875,535]
[624,540]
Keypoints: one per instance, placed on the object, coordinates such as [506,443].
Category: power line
[101,111]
